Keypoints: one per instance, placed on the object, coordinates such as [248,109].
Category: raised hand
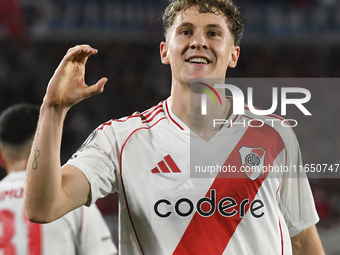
[67,86]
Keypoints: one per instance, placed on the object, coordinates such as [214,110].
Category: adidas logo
[167,165]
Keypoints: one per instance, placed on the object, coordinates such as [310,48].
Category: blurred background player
[82,231]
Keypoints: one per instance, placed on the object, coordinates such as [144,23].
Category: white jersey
[145,157]
[82,231]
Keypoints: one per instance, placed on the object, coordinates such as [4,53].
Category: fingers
[96,88]
[78,48]
[80,53]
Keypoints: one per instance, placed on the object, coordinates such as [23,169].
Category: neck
[16,166]
[186,105]
[15,157]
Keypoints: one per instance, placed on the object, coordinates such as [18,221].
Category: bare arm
[307,242]
[50,191]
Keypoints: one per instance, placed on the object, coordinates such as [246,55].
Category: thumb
[95,88]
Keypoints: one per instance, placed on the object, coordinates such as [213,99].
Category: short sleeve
[295,197]
[97,159]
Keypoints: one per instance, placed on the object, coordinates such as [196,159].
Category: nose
[198,42]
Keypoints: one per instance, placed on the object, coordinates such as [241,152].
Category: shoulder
[145,119]
[14,178]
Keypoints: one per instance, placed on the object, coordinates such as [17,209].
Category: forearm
[307,242]
[43,186]
[52,191]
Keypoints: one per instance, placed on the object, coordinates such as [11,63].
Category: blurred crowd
[138,80]
[118,19]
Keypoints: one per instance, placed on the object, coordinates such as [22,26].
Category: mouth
[198,60]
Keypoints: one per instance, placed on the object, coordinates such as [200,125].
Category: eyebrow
[216,26]
[188,24]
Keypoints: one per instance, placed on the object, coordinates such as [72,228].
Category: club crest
[252,160]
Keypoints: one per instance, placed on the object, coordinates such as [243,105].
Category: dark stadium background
[283,39]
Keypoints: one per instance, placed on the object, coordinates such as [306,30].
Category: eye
[213,33]
[186,32]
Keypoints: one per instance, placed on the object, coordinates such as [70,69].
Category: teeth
[198,60]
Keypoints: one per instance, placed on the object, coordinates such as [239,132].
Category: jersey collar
[177,122]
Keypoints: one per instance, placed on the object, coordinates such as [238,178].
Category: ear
[164,53]
[2,160]
[235,53]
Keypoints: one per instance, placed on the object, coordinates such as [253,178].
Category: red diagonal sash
[211,235]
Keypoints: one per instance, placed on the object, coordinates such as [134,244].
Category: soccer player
[145,157]
[81,231]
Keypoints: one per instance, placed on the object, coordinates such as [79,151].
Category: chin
[197,75]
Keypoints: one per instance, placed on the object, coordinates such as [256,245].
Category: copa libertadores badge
[252,161]
[89,139]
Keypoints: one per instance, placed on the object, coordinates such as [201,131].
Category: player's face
[199,45]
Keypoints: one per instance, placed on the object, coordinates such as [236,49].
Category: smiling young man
[199,45]
[145,157]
